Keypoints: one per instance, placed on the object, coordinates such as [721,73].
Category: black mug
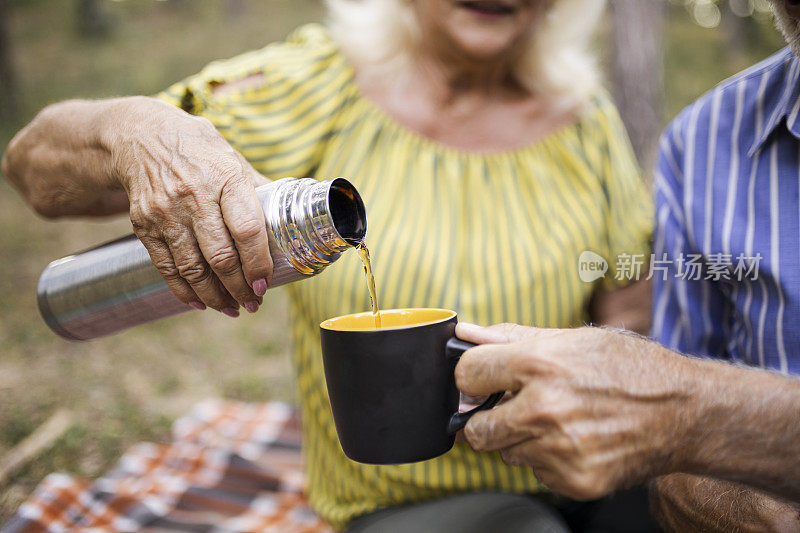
[392,390]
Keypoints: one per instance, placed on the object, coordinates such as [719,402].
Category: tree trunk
[734,33]
[92,20]
[638,73]
[9,104]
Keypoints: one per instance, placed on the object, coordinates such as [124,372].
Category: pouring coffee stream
[363,253]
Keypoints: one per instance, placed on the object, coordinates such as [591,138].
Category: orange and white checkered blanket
[231,467]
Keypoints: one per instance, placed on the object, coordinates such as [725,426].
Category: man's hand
[592,411]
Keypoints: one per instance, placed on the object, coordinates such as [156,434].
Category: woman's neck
[448,77]
[466,105]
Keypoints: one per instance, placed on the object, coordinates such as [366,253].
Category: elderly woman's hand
[592,411]
[193,204]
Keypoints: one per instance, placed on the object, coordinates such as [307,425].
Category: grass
[131,387]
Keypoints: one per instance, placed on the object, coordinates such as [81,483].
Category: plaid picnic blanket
[231,467]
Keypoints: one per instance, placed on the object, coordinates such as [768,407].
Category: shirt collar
[786,106]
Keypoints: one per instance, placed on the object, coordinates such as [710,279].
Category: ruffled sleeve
[282,117]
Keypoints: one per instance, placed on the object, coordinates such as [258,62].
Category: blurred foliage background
[131,387]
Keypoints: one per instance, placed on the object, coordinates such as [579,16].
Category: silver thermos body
[115,286]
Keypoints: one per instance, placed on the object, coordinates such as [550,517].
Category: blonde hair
[556,64]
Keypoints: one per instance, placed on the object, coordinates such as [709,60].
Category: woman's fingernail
[260,287]
[251,307]
[231,312]
[200,306]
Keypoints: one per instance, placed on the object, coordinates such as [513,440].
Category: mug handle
[453,350]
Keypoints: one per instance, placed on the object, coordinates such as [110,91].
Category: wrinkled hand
[593,410]
[193,205]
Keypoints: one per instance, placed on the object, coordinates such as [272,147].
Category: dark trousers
[478,512]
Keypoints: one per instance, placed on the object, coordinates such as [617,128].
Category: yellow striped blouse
[495,236]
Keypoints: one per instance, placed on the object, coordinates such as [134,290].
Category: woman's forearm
[191,197]
[627,307]
[63,162]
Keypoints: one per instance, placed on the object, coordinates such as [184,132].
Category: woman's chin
[482,49]
[484,40]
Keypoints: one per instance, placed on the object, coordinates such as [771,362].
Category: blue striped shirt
[727,187]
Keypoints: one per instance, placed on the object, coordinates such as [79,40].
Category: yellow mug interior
[390,319]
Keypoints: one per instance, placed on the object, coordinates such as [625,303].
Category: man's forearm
[682,502]
[745,428]
[596,410]
[63,161]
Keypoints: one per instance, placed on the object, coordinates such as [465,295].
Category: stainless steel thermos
[115,286]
